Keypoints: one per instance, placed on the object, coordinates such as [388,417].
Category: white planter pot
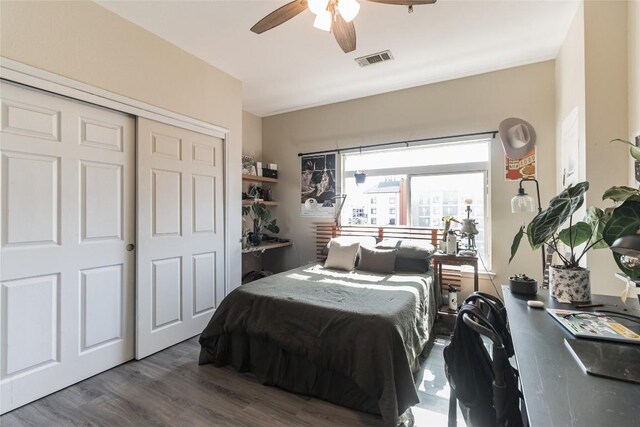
[572,284]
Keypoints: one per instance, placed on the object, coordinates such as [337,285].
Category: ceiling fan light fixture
[348,9]
[323,21]
[318,6]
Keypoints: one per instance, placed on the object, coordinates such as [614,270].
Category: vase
[570,284]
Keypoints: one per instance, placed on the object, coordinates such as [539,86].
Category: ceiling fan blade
[280,16]
[345,34]
[405,2]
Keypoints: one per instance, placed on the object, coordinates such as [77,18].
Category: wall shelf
[266,246]
[256,178]
[265,202]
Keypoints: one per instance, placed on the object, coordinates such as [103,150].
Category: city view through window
[425,194]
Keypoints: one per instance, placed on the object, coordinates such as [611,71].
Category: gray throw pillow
[342,256]
[377,260]
[409,248]
[412,265]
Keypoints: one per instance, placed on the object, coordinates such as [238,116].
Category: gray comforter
[367,327]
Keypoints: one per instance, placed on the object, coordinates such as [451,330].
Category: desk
[557,392]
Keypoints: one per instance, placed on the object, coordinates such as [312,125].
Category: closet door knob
[130,247]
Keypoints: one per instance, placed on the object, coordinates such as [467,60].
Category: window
[418,186]
[455,188]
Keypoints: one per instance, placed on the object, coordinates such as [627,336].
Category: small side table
[456,260]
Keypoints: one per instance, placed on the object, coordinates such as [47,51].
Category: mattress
[352,338]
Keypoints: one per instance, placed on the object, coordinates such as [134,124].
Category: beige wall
[251,145]
[252,135]
[606,95]
[87,43]
[633,29]
[469,104]
[592,75]
[570,91]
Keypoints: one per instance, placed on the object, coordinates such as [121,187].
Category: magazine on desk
[585,324]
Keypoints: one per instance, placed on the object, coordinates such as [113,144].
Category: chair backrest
[496,314]
[485,385]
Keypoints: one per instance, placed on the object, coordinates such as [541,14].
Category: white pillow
[342,256]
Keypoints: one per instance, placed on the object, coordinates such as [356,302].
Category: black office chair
[485,386]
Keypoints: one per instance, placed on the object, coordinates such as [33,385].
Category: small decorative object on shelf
[453,298]
[469,231]
[248,165]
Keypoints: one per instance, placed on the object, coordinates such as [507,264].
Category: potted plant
[624,218]
[261,219]
[567,281]
[599,229]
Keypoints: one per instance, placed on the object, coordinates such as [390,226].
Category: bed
[351,338]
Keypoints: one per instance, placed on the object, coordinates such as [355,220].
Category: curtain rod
[411,141]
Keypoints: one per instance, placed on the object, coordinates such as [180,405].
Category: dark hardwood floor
[171,389]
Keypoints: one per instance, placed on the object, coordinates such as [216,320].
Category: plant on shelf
[261,220]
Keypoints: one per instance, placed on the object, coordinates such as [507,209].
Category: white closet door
[180,264]
[68,210]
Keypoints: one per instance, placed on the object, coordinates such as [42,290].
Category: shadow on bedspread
[349,338]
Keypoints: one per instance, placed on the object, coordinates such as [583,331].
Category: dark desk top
[556,390]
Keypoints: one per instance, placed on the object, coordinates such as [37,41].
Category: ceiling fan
[331,15]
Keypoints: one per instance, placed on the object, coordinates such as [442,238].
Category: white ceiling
[295,66]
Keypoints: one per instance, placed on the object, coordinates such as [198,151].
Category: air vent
[375,58]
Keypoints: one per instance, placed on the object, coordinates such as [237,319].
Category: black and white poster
[318,185]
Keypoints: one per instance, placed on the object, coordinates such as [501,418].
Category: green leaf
[576,235]
[634,151]
[516,242]
[621,193]
[624,220]
[272,227]
[546,223]
[597,219]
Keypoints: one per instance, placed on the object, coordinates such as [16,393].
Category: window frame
[441,169]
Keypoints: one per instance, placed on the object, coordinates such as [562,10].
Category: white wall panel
[166,146]
[30,310]
[30,120]
[167,291]
[166,197]
[101,305]
[101,200]
[204,277]
[203,199]
[31,198]
[98,134]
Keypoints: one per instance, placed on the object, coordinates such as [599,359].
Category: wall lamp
[523,203]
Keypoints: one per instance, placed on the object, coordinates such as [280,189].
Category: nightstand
[455,260]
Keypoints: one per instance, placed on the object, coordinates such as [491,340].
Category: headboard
[325,231]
